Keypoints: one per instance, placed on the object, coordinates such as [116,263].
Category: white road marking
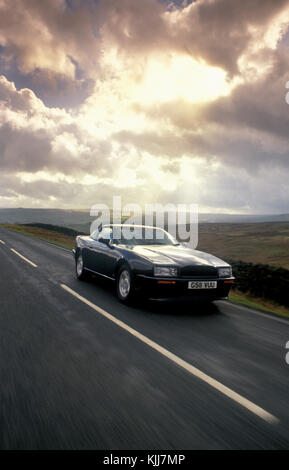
[3,243]
[23,257]
[255,409]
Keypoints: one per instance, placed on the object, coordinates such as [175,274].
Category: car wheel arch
[122,262]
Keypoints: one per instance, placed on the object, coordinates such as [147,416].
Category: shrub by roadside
[263,281]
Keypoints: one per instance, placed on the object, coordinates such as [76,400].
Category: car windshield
[133,235]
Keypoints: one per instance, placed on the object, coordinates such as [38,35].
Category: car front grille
[199,271]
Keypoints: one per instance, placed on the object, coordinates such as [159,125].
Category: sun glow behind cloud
[132,81]
[180,77]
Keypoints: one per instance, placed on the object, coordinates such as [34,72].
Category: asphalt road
[90,373]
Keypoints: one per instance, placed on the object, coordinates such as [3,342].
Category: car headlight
[225,272]
[165,271]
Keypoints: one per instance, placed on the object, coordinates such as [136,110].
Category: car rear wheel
[124,284]
[81,274]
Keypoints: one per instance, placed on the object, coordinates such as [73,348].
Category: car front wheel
[124,284]
[81,274]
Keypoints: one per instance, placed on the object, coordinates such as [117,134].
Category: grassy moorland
[266,243]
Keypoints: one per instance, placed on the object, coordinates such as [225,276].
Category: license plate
[202,285]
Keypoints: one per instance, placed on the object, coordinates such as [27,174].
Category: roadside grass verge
[50,236]
[255,302]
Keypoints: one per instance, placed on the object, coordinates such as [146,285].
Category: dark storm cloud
[50,48]
[52,26]
[54,89]
[217,32]
[220,31]
[35,138]
[24,150]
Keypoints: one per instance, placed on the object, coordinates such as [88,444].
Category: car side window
[95,235]
[105,233]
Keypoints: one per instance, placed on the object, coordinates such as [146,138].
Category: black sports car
[155,265]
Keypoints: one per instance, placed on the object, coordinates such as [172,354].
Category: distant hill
[81,220]
[242,218]
[54,228]
[77,220]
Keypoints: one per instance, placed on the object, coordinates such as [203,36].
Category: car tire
[125,284]
[81,274]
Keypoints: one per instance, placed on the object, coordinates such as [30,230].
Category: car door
[110,254]
[92,252]
[102,256]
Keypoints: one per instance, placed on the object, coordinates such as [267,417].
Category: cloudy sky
[154,100]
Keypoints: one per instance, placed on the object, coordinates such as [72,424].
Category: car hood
[177,255]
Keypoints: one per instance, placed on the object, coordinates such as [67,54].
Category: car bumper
[178,287]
